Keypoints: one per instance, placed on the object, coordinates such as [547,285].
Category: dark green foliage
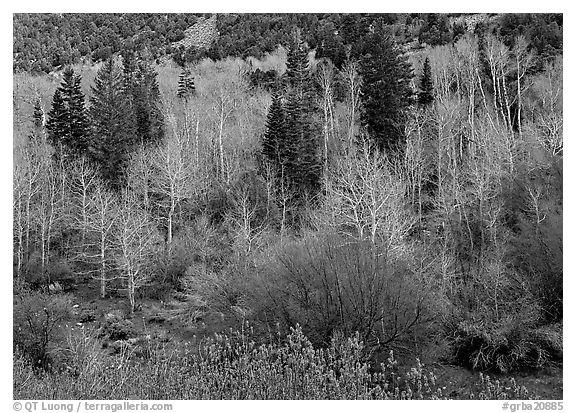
[435,30]
[186,55]
[186,86]
[268,80]
[355,27]
[58,118]
[330,44]
[141,88]
[386,91]
[426,93]
[273,143]
[543,31]
[68,123]
[45,42]
[129,66]
[113,124]
[290,142]
[302,163]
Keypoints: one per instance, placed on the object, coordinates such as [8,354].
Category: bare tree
[140,176]
[243,220]
[96,213]
[365,195]
[325,78]
[103,220]
[544,108]
[174,175]
[524,60]
[49,210]
[28,168]
[415,156]
[83,179]
[353,83]
[136,242]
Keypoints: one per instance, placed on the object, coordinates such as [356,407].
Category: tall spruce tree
[186,87]
[386,91]
[302,162]
[145,97]
[68,125]
[426,93]
[113,123]
[275,135]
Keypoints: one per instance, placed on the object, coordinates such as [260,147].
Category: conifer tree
[58,120]
[68,123]
[113,123]
[275,135]
[186,86]
[146,105]
[426,93]
[386,91]
[128,70]
[301,150]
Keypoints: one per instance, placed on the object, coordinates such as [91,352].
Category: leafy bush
[38,322]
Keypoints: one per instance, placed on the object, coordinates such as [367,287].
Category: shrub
[38,322]
[233,367]
[116,327]
[495,390]
[510,343]
[87,315]
[329,283]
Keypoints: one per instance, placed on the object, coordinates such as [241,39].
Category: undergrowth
[232,367]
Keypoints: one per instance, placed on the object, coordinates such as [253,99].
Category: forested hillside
[290,206]
[46,42]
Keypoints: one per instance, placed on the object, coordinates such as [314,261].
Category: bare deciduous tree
[366,196]
[136,242]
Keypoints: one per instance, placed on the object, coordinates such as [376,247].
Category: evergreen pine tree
[186,86]
[301,150]
[68,123]
[297,75]
[113,124]
[386,91]
[128,70]
[146,105]
[275,134]
[426,93]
